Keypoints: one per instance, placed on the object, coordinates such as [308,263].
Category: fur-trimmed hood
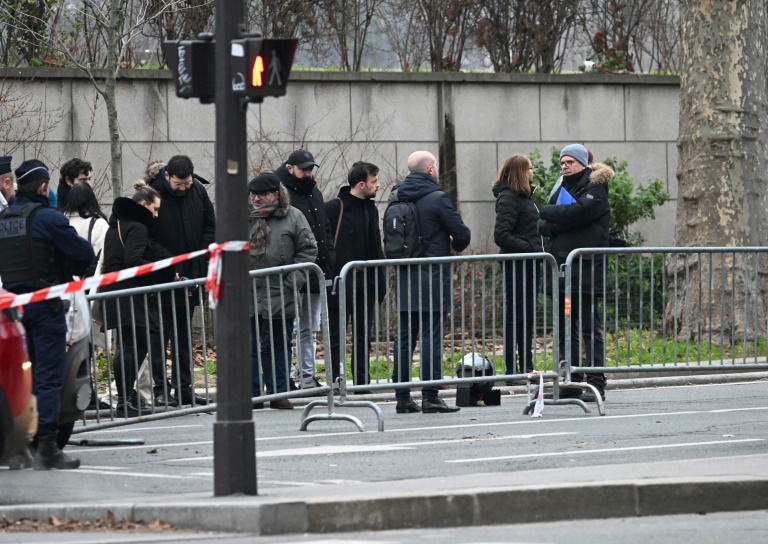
[283,202]
[129,210]
[601,174]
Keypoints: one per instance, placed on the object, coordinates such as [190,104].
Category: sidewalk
[607,491]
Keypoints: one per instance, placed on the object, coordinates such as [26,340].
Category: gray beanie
[577,151]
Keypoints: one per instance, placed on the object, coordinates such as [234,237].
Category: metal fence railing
[465,322]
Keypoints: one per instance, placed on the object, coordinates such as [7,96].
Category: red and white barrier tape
[213,280]
[57,291]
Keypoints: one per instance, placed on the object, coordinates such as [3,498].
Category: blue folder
[564,197]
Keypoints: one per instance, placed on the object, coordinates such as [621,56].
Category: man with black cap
[296,176]
[40,249]
[578,215]
[7,185]
[279,236]
[186,222]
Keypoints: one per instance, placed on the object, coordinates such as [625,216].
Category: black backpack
[401,230]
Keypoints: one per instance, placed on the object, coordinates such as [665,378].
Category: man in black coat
[297,176]
[356,237]
[185,223]
[424,291]
[39,249]
[577,219]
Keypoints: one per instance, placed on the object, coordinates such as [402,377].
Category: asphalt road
[642,425]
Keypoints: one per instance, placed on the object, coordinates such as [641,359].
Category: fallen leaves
[108,523]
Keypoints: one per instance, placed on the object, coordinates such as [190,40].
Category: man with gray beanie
[578,216]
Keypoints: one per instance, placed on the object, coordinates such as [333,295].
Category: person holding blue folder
[578,216]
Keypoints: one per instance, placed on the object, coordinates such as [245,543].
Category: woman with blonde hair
[515,232]
[129,243]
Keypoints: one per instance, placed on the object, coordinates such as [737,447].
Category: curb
[267,516]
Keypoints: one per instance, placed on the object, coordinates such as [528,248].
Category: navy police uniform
[41,249]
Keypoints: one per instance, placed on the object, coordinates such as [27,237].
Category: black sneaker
[129,409]
[589,396]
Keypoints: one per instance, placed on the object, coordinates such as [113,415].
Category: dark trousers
[178,334]
[46,330]
[519,282]
[133,348]
[585,324]
[360,311]
[270,338]
[431,326]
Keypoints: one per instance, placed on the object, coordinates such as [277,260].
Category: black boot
[49,455]
[437,405]
[407,406]
[21,461]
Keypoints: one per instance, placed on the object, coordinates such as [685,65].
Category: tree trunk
[722,169]
[114,48]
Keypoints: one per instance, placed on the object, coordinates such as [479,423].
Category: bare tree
[178,21]
[611,26]
[280,18]
[400,22]
[348,22]
[657,41]
[723,163]
[100,35]
[447,25]
[520,35]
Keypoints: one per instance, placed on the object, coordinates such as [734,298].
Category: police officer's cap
[31,171]
[5,165]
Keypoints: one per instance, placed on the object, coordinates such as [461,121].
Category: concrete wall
[378,117]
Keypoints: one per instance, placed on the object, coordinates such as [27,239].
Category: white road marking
[131,474]
[140,428]
[332,450]
[603,450]
[84,450]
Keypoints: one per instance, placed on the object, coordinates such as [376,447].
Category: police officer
[7,185]
[41,249]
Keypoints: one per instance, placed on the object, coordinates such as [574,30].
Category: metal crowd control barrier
[665,310]
[285,285]
[386,302]
[167,320]
[144,339]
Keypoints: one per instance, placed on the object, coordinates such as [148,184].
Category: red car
[18,407]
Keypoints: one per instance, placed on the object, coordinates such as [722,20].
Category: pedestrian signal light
[192,63]
[261,66]
[257,71]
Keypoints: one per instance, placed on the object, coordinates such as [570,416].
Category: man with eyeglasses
[186,222]
[296,175]
[578,216]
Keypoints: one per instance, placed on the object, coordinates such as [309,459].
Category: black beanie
[266,182]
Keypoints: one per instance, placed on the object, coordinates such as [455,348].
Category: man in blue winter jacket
[424,291]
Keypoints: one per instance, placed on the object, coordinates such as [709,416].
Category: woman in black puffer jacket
[127,244]
[515,232]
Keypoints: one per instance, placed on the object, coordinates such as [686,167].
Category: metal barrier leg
[331,403]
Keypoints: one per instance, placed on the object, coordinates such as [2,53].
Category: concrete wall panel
[35,111]
[492,113]
[310,112]
[652,113]
[377,112]
[582,112]
[477,168]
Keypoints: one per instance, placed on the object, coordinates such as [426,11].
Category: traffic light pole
[234,440]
